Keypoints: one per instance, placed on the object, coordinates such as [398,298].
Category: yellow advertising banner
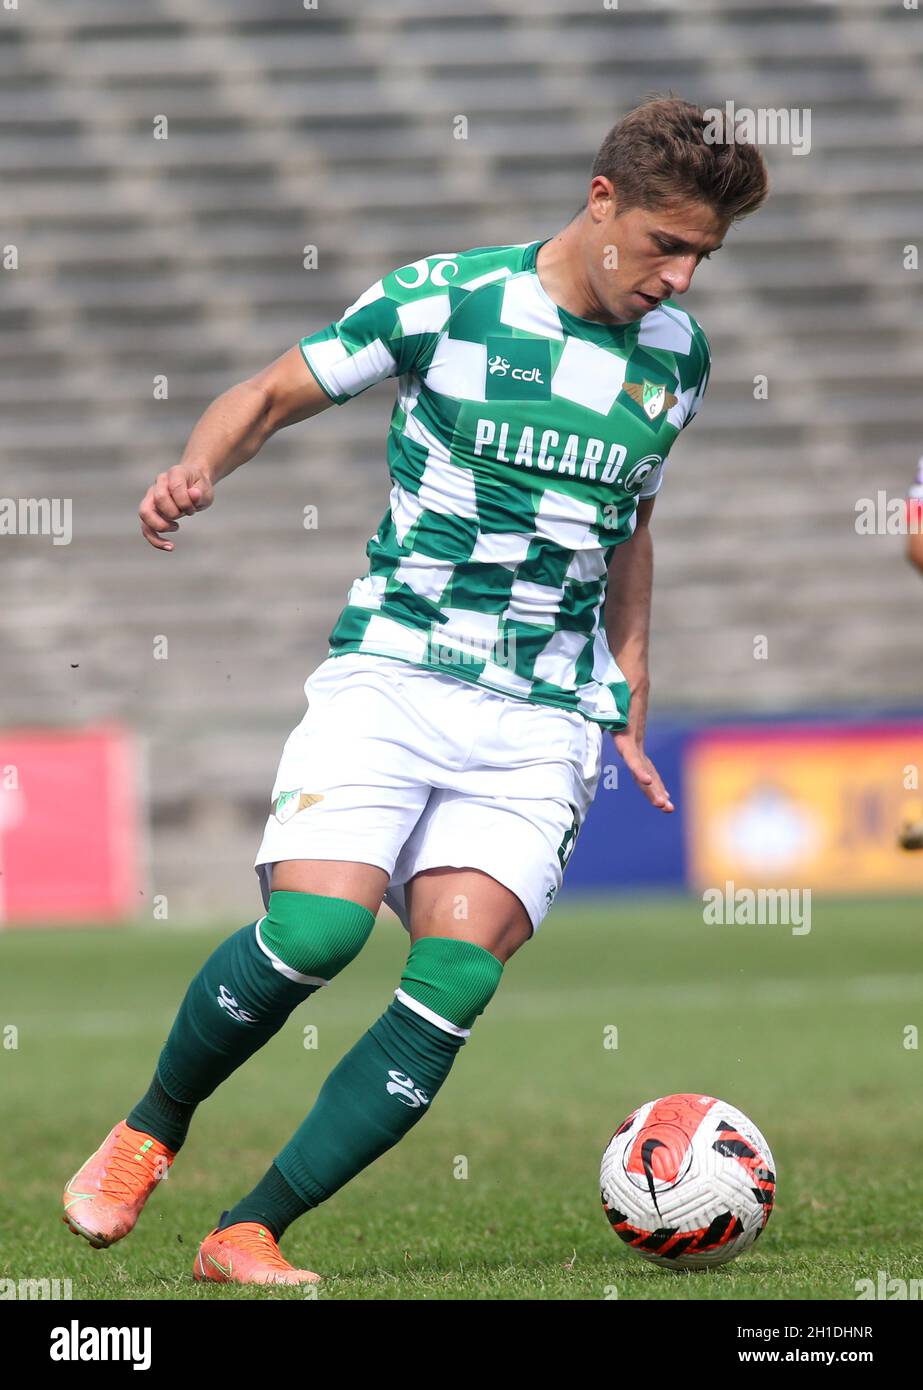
[798,806]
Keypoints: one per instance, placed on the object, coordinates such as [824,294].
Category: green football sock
[384,1085]
[241,998]
[370,1100]
[272,1203]
[157,1113]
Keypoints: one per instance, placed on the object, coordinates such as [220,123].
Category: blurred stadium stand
[333,127]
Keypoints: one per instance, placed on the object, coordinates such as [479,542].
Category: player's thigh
[350,787]
[469,905]
[515,850]
[331,878]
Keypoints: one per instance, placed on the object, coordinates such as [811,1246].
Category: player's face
[642,256]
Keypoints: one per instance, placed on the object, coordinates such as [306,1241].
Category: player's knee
[454,980]
[314,935]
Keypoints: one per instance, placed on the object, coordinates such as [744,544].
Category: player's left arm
[628,626]
[631,576]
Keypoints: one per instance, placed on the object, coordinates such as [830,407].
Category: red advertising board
[69,826]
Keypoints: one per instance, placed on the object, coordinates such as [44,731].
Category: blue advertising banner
[625,842]
[817,798]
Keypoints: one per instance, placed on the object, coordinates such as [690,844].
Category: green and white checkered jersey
[520,443]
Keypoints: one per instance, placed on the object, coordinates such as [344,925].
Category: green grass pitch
[806,1034]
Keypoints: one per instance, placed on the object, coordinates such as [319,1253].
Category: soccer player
[910,834]
[453,737]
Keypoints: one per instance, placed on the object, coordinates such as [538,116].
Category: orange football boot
[103,1199]
[246,1253]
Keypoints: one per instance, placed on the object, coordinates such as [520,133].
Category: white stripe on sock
[409,1002]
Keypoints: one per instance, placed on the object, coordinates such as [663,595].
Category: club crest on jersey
[651,397]
[518,369]
[288,804]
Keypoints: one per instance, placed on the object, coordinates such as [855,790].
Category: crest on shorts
[651,397]
[288,804]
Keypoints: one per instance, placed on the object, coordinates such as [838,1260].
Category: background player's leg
[385,1084]
[320,915]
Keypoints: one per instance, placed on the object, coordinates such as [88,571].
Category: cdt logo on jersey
[518,369]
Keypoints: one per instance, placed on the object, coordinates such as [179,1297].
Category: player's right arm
[390,330]
[232,430]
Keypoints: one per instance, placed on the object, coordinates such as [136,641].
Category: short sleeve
[692,397]
[652,483]
[391,329]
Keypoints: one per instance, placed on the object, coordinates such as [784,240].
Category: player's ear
[618,206]
[600,202]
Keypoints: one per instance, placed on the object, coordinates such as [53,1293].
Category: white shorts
[408,769]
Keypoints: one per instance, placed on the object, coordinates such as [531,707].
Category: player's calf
[382,1087]
[242,996]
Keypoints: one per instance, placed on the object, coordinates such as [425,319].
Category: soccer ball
[688,1181]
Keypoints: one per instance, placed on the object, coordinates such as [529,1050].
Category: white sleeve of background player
[654,480]
[917,487]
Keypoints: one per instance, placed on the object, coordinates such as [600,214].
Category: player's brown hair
[667,151]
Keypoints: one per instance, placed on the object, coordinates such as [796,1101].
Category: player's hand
[910,835]
[643,771]
[182,491]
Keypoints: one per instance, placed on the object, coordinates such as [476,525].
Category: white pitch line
[860,989]
[532,1003]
